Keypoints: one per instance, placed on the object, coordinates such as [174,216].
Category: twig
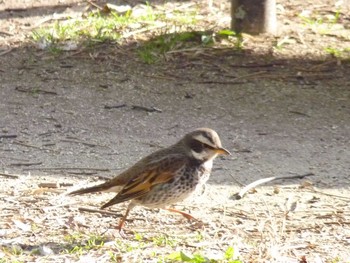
[27,145]
[142,30]
[103,177]
[8,136]
[251,75]
[299,113]
[219,82]
[84,143]
[316,67]
[36,91]
[6,33]
[95,5]
[9,175]
[115,106]
[152,109]
[54,185]
[6,51]
[186,50]
[25,164]
[72,168]
[158,77]
[328,194]
[51,17]
[255,65]
[83,173]
[247,188]
[102,212]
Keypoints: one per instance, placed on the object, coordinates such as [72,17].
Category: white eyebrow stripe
[204,140]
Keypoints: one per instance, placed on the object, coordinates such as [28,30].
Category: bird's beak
[222,151]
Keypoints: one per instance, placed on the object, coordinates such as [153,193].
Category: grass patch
[340,53]
[99,27]
[156,31]
[78,243]
[158,47]
[165,240]
[228,257]
[13,254]
[322,24]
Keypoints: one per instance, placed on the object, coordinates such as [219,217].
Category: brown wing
[155,173]
[133,173]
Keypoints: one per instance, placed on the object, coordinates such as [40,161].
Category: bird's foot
[184,214]
[197,224]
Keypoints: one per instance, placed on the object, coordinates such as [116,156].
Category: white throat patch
[208,165]
[203,155]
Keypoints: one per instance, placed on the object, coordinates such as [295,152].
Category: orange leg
[123,219]
[188,216]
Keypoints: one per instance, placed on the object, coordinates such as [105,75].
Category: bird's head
[203,144]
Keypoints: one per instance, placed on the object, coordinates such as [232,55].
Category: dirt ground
[280,112]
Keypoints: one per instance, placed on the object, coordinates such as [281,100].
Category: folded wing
[158,173]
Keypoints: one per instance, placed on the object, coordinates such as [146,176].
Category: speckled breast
[188,179]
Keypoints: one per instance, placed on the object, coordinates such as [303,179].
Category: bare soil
[279,111]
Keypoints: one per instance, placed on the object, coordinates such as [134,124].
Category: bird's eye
[197,146]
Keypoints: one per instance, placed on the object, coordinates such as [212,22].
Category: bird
[166,176]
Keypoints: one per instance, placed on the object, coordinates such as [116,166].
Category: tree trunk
[254,16]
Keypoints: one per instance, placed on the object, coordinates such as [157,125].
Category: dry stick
[8,136]
[33,146]
[6,33]
[142,30]
[25,164]
[220,82]
[142,108]
[234,80]
[251,75]
[186,50]
[316,67]
[247,188]
[54,185]
[83,173]
[102,212]
[115,106]
[158,77]
[41,91]
[9,175]
[299,113]
[95,5]
[6,51]
[72,168]
[84,143]
[27,145]
[328,194]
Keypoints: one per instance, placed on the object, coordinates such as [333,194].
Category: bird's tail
[93,189]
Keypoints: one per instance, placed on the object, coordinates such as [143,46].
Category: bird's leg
[197,224]
[123,219]
[186,215]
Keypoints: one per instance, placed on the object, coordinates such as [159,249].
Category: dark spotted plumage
[166,176]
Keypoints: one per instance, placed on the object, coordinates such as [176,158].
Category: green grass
[79,243]
[341,53]
[156,32]
[165,240]
[95,28]
[228,257]
[155,49]
[14,254]
[320,23]
[98,27]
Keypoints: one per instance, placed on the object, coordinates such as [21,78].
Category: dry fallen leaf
[23,226]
